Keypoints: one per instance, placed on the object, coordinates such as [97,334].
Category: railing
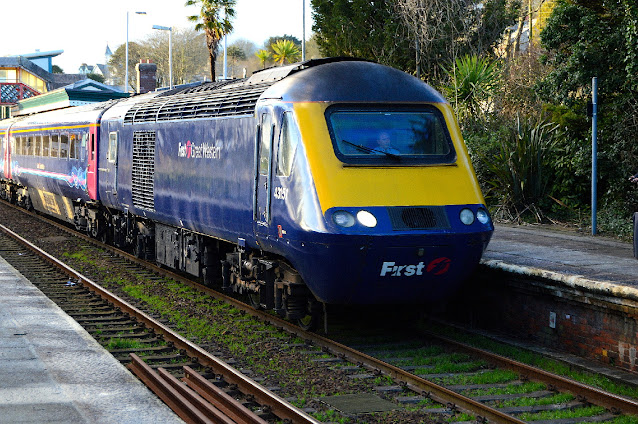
[11,93]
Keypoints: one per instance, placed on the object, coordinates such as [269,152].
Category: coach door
[108,168]
[263,168]
[5,154]
[91,172]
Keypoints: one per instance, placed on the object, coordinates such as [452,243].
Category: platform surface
[573,254]
[52,371]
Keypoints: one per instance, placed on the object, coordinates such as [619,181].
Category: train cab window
[287,145]
[64,146]
[74,146]
[111,155]
[38,145]
[55,145]
[265,143]
[46,145]
[390,135]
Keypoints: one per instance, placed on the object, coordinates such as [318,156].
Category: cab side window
[287,145]
[264,144]
[111,155]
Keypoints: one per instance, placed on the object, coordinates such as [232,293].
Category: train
[329,181]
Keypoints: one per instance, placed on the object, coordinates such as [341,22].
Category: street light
[126,58]
[170,52]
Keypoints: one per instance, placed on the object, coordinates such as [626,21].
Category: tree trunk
[212,53]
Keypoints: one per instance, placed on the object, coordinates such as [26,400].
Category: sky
[83,31]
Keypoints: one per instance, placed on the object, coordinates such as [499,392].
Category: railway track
[404,374]
[108,317]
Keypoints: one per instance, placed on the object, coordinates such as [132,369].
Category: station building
[26,76]
[28,85]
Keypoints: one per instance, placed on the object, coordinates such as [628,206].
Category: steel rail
[277,405]
[418,384]
[591,394]
[224,402]
[183,404]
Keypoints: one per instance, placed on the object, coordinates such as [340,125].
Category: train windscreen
[398,135]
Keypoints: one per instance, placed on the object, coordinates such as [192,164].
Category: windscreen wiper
[371,150]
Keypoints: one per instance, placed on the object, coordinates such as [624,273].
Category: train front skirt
[383,270]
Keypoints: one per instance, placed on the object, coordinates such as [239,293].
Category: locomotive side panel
[193,174]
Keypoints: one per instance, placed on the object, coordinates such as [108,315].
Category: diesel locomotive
[332,181]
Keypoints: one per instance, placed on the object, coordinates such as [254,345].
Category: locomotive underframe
[269,282]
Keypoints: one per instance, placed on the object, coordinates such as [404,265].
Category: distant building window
[5,111]
[8,75]
[32,81]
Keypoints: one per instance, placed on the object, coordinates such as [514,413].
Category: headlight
[482,216]
[367,219]
[467,216]
[343,219]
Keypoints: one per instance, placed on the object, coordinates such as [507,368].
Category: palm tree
[264,56]
[285,51]
[473,84]
[210,22]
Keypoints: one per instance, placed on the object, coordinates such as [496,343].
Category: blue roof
[42,55]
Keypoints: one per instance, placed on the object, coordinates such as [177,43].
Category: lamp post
[303,24]
[126,58]
[170,52]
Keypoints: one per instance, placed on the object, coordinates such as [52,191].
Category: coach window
[64,146]
[74,146]
[30,147]
[287,145]
[266,138]
[46,144]
[38,145]
[112,153]
[17,148]
[92,148]
[55,145]
[85,140]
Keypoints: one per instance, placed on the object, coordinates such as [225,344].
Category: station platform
[572,258]
[588,270]
[52,371]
